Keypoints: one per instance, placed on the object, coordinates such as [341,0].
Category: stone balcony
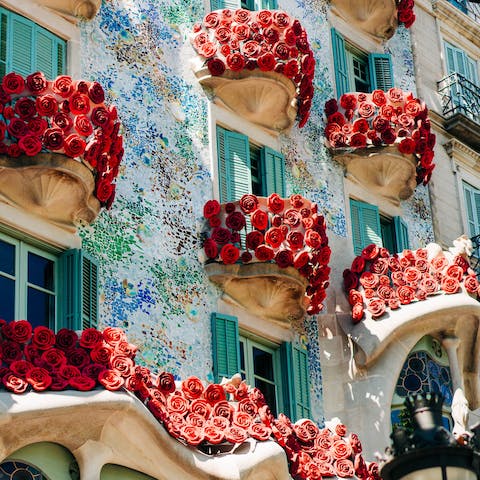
[383,140]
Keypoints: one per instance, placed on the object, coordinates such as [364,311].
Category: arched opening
[425,370]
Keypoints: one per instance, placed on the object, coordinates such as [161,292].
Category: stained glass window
[19,471]
[426,370]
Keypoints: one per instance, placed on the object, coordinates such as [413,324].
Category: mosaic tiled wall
[152,282]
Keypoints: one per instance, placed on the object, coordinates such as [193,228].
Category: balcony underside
[465,129]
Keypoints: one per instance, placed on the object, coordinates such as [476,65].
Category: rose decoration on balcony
[212,418]
[379,119]
[62,116]
[405,12]
[378,281]
[286,232]
[267,40]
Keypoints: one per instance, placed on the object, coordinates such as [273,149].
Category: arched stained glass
[12,470]
[426,370]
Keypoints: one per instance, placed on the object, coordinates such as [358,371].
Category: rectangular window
[247,4]
[358,71]
[460,4]
[42,285]
[26,47]
[245,167]
[459,62]
[279,371]
[368,226]
[472,204]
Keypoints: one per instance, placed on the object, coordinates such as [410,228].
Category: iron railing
[470,8]
[475,257]
[460,95]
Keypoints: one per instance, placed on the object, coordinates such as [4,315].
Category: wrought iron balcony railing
[475,257]
[460,95]
[470,8]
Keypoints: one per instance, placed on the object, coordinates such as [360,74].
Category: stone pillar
[450,343]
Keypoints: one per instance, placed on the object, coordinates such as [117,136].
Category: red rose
[235,434]
[439,263]
[248,203]
[455,271]
[292,218]
[100,117]
[295,240]
[43,338]
[39,378]
[13,83]
[14,383]
[21,331]
[113,335]
[53,139]
[266,62]
[101,354]
[214,394]
[350,280]
[46,105]
[369,279]
[223,409]
[37,126]
[348,101]
[210,248]
[388,136]
[91,338]
[216,67]
[275,203]
[83,125]
[192,388]
[284,258]
[235,61]
[366,109]
[358,140]
[341,450]
[82,383]
[110,380]
[412,275]
[450,285]
[471,284]
[79,104]
[104,190]
[62,85]
[17,128]
[54,358]
[407,146]
[379,98]
[259,219]
[211,208]
[264,253]
[25,108]
[376,307]
[92,370]
[254,239]
[405,294]
[344,468]
[274,237]
[74,146]
[229,254]
[306,430]
[96,92]
[63,121]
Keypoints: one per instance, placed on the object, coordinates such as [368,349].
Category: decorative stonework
[86,9]
[52,186]
[258,64]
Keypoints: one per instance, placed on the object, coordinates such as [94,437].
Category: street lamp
[431,452]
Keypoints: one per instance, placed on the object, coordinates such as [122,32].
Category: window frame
[469,63]
[252,5]
[467,187]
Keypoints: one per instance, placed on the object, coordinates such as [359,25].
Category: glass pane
[268,391]
[19,471]
[40,308]
[40,271]
[242,356]
[7,305]
[262,363]
[7,258]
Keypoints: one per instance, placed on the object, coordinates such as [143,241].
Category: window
[248,4]
[368,226]
[472,202]
[247,168]
[459,62]
[358,71]
[279,371]
[25,47]
[13,470]
[460,4]
[47,287]
[426,370]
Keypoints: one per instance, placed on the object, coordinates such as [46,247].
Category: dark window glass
[268,390]
[19,471]
[256,170]
[263,364]
[7,296]
[7,258]
[40,308]
[242,356]
[40,271]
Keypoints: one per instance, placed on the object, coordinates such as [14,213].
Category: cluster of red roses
[380,280]
[381,118]
[38,359]
[288,232]
[62,116]
[267,40]
[314,453]
[405,12]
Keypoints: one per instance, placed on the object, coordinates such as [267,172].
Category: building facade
[175,235]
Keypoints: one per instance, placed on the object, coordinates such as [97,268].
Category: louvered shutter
[273,172]
[365,225]
[381,72]
[450,58]
[225,346]
[45,60]
[4,32]
[79,290]
[472,72]
[233,165]
[61,57]
[218,4]
[21,45]
[266,4]
[340,63]
[401,234]
[295,380]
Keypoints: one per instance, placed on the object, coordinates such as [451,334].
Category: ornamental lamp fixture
[425,450]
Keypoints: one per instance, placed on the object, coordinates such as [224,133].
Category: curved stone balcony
[383,140]
[267,257]
[270,87]
[86,9]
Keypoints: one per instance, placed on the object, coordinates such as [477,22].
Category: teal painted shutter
[225,346]
[218,4]
[61,57]
[450,58]
[79,294]
[295,376]
[44,58]
[4,32]
[340,63]
[266,4]
[273,172]
[21,41]
[401,234]
[472,72]
[233,165]
[381,71]
[366,227]
[472,201]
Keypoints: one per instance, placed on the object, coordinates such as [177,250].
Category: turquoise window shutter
[381,71]
[45,60]
[472,202]
[273,172]
[366,227]
[225,346]
[267,4]
[295,379]
[4,32]
[401,234]
[340,63]
[233,165]
[61,57]
[79,293]
[218,4]
[21,45]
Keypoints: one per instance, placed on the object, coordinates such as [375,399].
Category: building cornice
[463,154]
